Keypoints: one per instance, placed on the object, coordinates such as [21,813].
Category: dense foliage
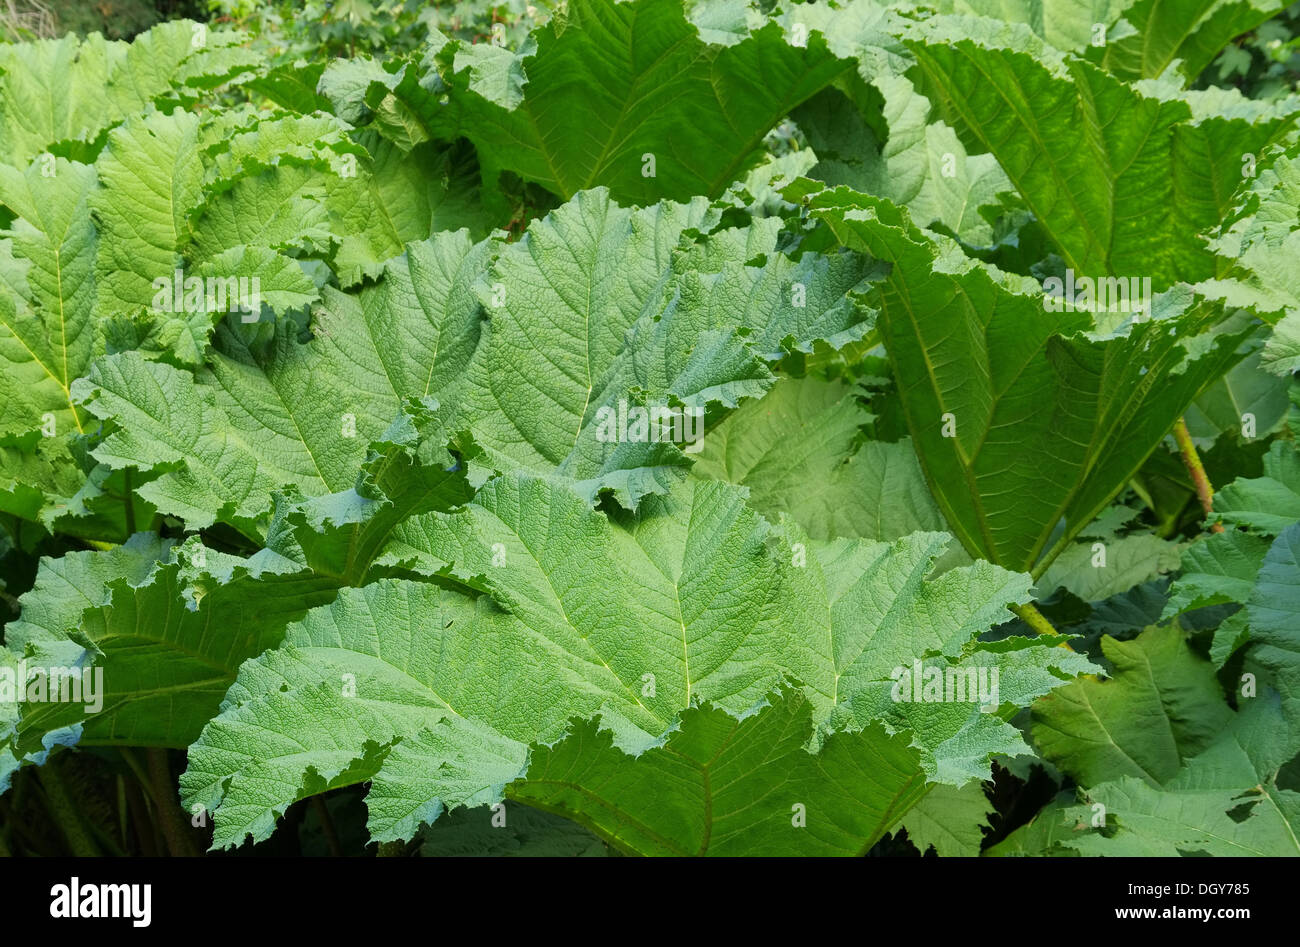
[628,427]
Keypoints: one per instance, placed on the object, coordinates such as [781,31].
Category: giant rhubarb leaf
[167,632]
[1132,40]
[48,333]
[797,451]
[1171,767]
[588,311]
[153,180]
[165,648]
[47,295]
[1155,34]
[436,696]
[1123,181]
[283,412]
[1261,238]
[920,165]
[724,787]
[62,94]
[1161,706]
[1024,417]
[612,86]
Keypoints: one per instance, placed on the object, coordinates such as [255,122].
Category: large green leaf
[1273,608]
[1132,40]
[1161,706]
[1107,561]
[610,83]
[796,450]
[1262,239]
[59,94]
[1244,396]
[48,335]
[921,165]
[396,198]
[870,599]
[949,820]
[283,412]
[68,585]
[697,332]
[46,636]
[588,311]
[1267,504]
[957,737]
[695,598]
[989,376]
[167,648]
[1131,196]
[153,210]
[1189,32]
[1225,801]
[1250,567]
[724,787]
[1065,24]
[47,294]
[1216,570]
[167,633]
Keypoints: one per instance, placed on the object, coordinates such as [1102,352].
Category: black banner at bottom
[339,896]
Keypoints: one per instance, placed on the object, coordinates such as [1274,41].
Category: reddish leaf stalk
[1192,461]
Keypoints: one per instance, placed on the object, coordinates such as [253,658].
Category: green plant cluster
[652,428]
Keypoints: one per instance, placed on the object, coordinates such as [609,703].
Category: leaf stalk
[1192,461]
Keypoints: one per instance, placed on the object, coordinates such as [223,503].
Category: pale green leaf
[795,449]
[949,820]
[1161,706]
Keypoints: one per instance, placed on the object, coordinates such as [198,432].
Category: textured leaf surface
[1107,561]
[285,412]
[949,820]
[47,294]
[586,313]
[988,377]
[165,655]
[1220,568]
[1190,32]
[1224,802]
[1273,607]
[65,91]
[1261,239]
[725,787]
[921,166]
[1127,199]
[954,707]
[1267,504]
[610,83]
[1161,706]
[152,175]
[796,450]
[695,598]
